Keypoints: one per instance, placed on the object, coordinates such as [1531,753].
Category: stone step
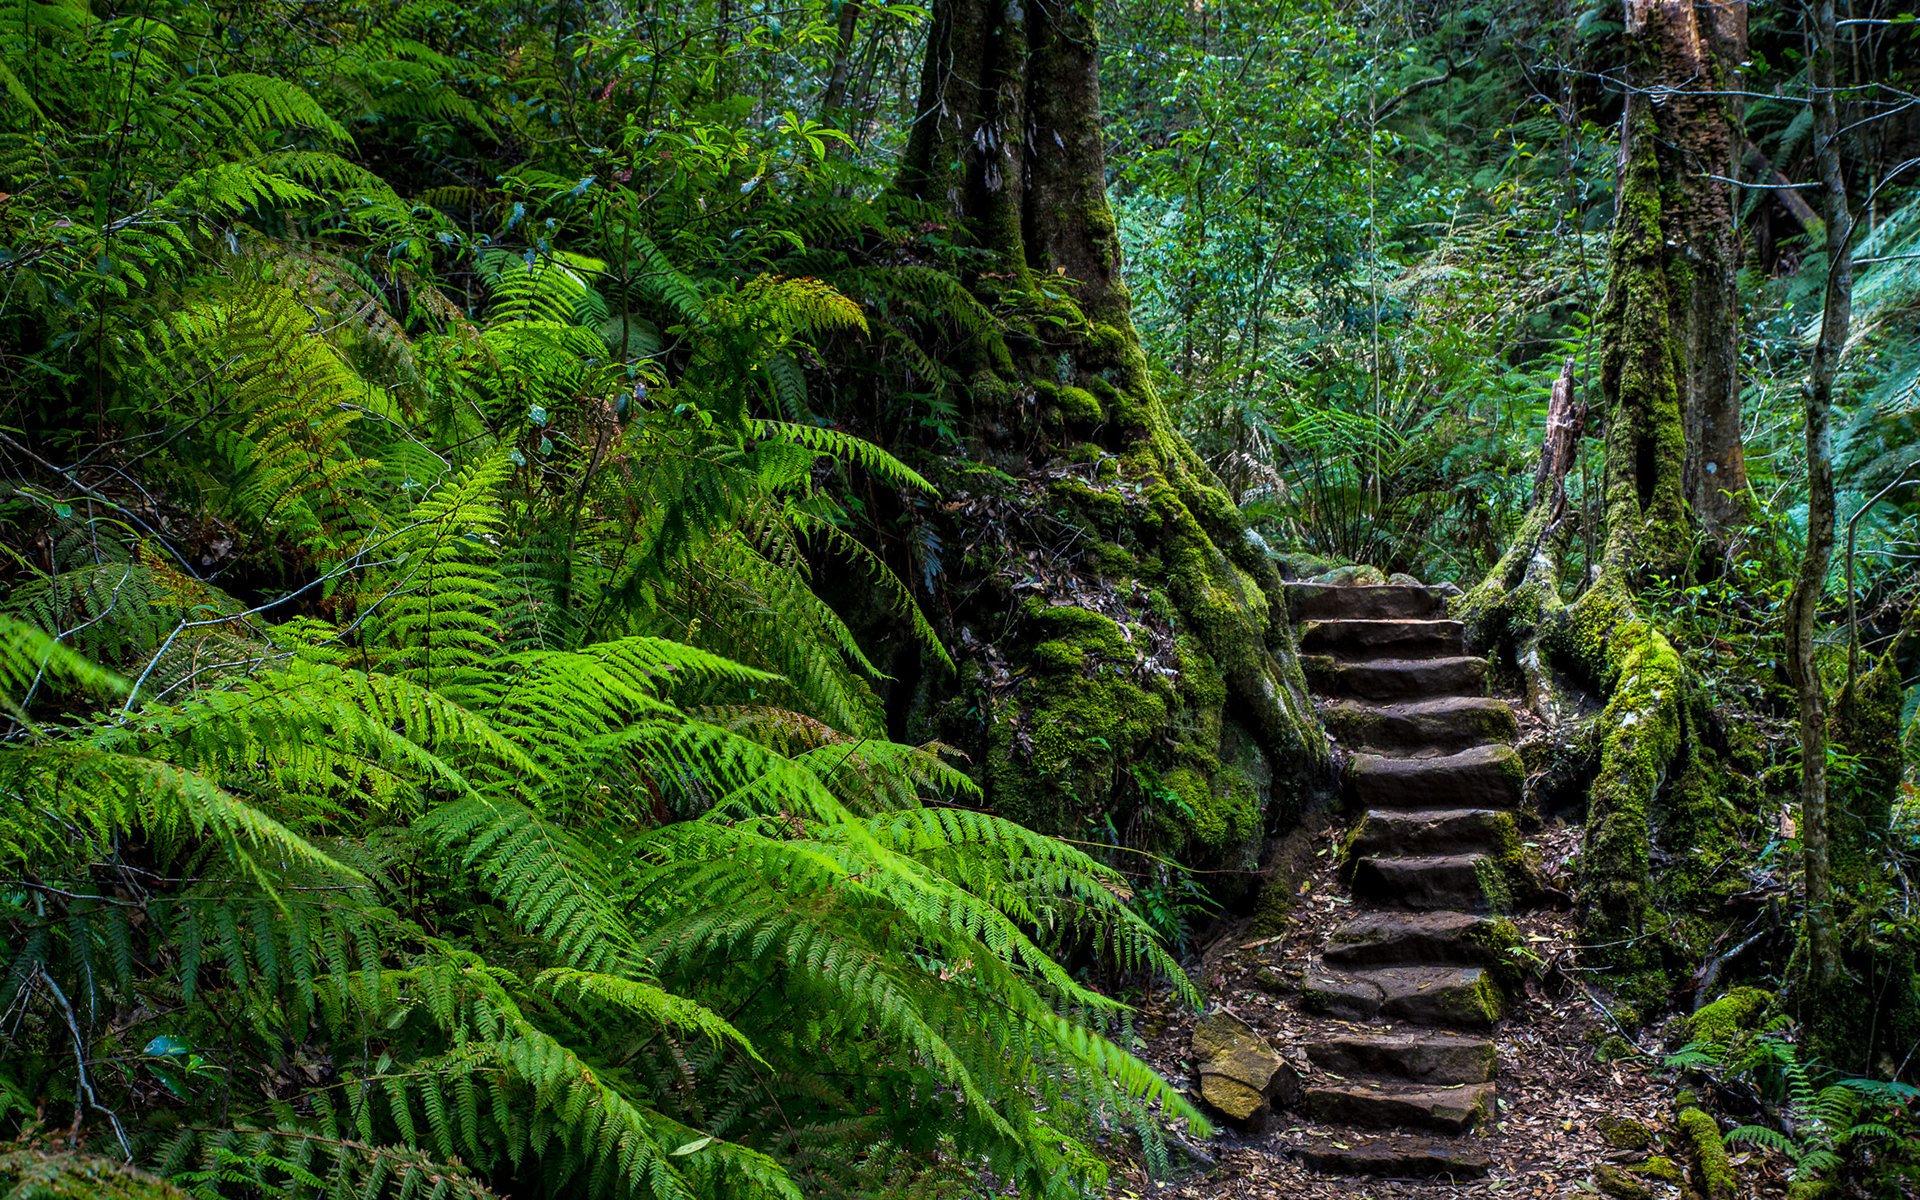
[1398,1158]
[1444,726]
[1420,1057]
[1352,639]
[1393,1104]
[1449,994]
[1381,938]
[1370,602]
[1396,678]
[1431,831]
[1469,882]
[1478,777]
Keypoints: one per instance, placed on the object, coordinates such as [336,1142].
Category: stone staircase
[1402,997]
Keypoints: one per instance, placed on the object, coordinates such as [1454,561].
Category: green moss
[1106,509]
[1057,744]
[1619,1184]
[1660,1167]
[1623,1134]
[1230,813]
[1613,1048]
[1641,735]
[1114,560]
[1729,1017]
[1481,1004]
[1351,576]
[1096,632]
[1078,406]
[1059,656]
[1712,1173]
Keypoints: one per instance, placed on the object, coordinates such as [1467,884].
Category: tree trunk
[1104,587]
[1639,373]
[1684,56]
[846,21]
[1803,608]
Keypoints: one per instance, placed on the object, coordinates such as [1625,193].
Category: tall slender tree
[1835,316]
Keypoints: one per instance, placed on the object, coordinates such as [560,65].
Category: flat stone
[1376,1104]
[1360,575]
[1443,726]
[1475,777]
[1431,831]
[1398,638]
[1399,1158]
[1439,881]
[1240,1074]
[1396,678]
[1422,1057]
[1371,602]
[1400,937]
[1446,994]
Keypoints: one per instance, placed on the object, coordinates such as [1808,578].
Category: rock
[1362,637]
[1442,881]
[1403,579]
[1387,938]
[1447,725]
[1482,777]
[1399,1158]
[1240,1074]
[1623,1134]
[1352,576]
[1425,994]
[1391,679]
[1613,1181]
[1328,601]
[1423,1057]
[1387,1105]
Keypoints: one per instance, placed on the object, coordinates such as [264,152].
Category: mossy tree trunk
[1684,60]
[1127,669]
[1672,459]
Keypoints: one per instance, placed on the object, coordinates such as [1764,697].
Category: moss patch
[1623,1134]
[1731,1016]
[1712,1174]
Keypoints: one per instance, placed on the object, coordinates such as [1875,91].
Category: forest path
[1438,1040]
[1404,992]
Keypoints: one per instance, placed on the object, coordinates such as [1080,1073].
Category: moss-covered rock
[1619,1183]
[1351,576]
[1623,1133]
[1730,1018]
[1662,1168]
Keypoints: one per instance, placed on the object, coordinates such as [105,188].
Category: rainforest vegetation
[689,599]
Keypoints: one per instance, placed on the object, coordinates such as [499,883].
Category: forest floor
[1554,1086]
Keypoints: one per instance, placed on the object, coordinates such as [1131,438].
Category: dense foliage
[496,496]
[431,768]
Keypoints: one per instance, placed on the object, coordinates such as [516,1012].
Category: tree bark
[1803,607]
[846,21]
[1566,422]
[1106,585]
[1684,58]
